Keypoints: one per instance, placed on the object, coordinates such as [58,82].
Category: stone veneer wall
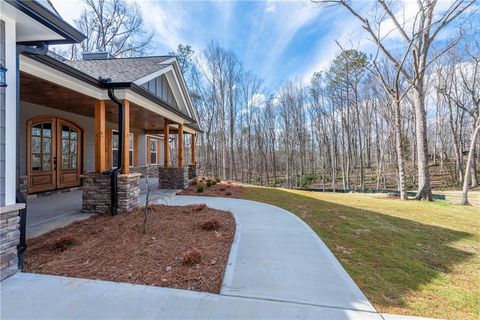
[152,170]
[192,171]
[96,193]
[172,178]
[9,239]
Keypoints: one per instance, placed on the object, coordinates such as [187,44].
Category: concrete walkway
[278,269]
[277,257]
[45,214]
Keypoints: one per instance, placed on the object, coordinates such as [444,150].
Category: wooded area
[405,117]
[400,119]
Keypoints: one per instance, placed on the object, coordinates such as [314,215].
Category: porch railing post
[100,162]
[180,145]
[193,159]
[126,138]
[166,147]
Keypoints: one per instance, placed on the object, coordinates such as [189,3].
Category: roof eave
[71,71]
[37,12]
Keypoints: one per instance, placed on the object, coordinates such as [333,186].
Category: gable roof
[121,69]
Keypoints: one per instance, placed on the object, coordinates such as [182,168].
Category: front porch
[69,137]
[47,213]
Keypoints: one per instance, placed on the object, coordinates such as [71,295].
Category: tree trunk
[424,190]
[471,153]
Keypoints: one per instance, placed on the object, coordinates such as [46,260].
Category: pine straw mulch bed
[222,189]
[185,247]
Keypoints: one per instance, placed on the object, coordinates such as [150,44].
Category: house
[96,124]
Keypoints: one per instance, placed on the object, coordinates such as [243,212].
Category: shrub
[209,182]
[210,225]
[65,242]
[307,180]
[218,180]
[200,187]
[192,257]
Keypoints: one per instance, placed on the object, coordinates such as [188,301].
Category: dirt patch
[221,189]
[176,252]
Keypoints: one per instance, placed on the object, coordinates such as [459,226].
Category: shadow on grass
[387,256]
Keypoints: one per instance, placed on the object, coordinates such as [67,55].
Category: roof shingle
[121,69]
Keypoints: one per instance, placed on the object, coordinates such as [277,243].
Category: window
[153,151]
[115,149]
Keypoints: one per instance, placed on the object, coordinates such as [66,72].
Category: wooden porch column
[126,138]
[100,136]
[180,145]
[194,159]
[166,147]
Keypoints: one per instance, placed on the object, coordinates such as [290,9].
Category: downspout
[121,129]
[41,48]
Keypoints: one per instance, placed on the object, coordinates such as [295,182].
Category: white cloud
[270,7]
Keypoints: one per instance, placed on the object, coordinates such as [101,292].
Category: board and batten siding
[87,124]
[159,87]
[2,118]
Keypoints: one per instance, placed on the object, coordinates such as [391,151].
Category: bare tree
[418,35]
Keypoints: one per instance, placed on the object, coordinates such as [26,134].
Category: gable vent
[96,56]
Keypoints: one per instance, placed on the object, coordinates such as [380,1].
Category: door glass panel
[65,146]
[73,135]
[36,162]
[73,147]
[47,130]
[65,161]
[73,162]
[37,130]
[46,163]
[36,144]
[65,132]
[46,145]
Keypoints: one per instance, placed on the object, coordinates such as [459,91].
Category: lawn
[413,258]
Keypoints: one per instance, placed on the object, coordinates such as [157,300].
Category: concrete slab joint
[96,193]
[173,178]
[9,239]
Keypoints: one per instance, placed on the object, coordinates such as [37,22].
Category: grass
[412,258]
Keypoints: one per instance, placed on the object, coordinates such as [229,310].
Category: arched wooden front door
[53,154]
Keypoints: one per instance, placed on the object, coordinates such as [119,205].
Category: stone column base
[9,239]
[96,196]
[172,178]
[192,171]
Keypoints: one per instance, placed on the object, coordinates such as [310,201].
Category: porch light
[3,76]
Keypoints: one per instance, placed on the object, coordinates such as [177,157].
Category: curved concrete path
[278,269]
[277,256]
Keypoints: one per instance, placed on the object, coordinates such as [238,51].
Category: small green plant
[307,180]
[200,187]
[210,182]
[218,180]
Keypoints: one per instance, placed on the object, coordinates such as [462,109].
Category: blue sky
[277,40]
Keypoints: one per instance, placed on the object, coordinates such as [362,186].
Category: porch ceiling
[39,91]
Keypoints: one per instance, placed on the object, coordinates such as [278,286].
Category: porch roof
[69,71]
